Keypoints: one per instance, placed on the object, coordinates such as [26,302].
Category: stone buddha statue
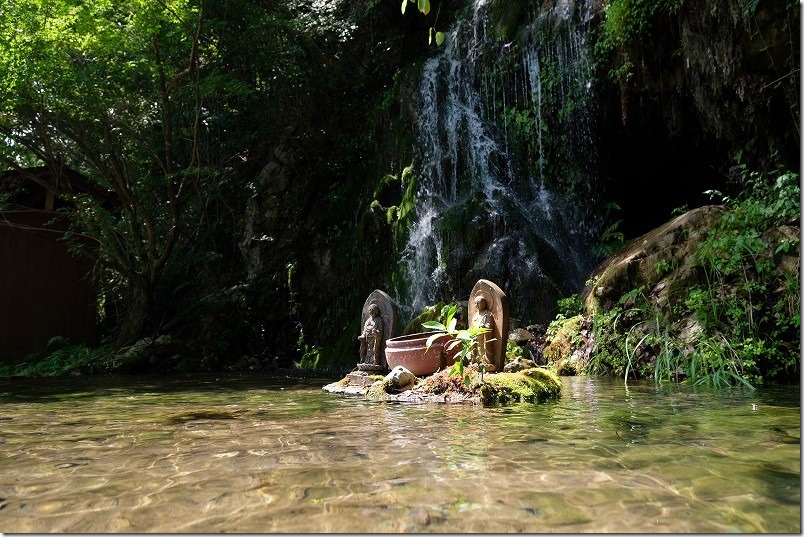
[371,340]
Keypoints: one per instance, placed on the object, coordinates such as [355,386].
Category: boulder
[660,261]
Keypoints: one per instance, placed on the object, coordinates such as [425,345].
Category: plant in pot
[467,339]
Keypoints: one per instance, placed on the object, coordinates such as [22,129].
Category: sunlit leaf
[434,325]
[404,6]
[424,6]
[439,37]
[452,344]
[431,340]
[451,312]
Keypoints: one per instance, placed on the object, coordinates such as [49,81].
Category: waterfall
[516,229]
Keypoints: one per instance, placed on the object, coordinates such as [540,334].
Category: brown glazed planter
[409,352]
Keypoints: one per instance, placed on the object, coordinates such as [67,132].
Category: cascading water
[481,210]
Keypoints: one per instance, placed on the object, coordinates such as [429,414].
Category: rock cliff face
[704,85]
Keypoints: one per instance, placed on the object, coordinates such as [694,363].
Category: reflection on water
[209,454]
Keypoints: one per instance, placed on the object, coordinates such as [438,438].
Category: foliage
[570,306]
[154,103]
[748,305]
[513,351]
[626,23]
[742,325]
[112,90]
[612,238]
[424,7]
[311,354]
[60,358]
[470,353]
[563,335]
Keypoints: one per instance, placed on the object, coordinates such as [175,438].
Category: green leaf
[452,344]
[404,6]
[439,36]
[424,6]
[467,381]
[434,325]
[450,314]
[431,340]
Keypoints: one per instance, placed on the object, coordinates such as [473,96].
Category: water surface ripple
[253,454]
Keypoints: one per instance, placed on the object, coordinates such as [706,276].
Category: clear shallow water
[246,454]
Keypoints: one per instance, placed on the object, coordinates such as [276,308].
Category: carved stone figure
[488,307]
[372,338]
[379,325]
[483,319]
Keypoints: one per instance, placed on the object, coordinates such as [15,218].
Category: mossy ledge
[528,386]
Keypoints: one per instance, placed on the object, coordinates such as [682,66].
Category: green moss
[529,385]
[400,227]
[457,223]
[431,313]
[379,389]
[507,19]
[564,337]
[408,203]
[391,214]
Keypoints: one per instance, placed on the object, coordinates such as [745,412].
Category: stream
[255,454]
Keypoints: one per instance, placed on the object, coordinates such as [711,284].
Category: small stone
[420,516]
[600,290]
[518,364]
[400,378]
[519,335]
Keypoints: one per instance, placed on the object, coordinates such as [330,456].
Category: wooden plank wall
[44,291]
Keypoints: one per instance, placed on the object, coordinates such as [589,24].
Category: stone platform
[530,385]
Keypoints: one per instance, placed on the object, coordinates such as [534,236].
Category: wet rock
[536,330]
[160,354]
[399,379]
[518,364]
[520,335]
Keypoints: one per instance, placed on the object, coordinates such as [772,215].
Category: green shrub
[61,358]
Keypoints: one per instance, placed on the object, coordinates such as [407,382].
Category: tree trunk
[139,306]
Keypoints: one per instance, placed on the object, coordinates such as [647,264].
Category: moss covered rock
[527,386]
[430,313]
[565,340]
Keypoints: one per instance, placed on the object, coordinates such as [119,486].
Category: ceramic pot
[411,352]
